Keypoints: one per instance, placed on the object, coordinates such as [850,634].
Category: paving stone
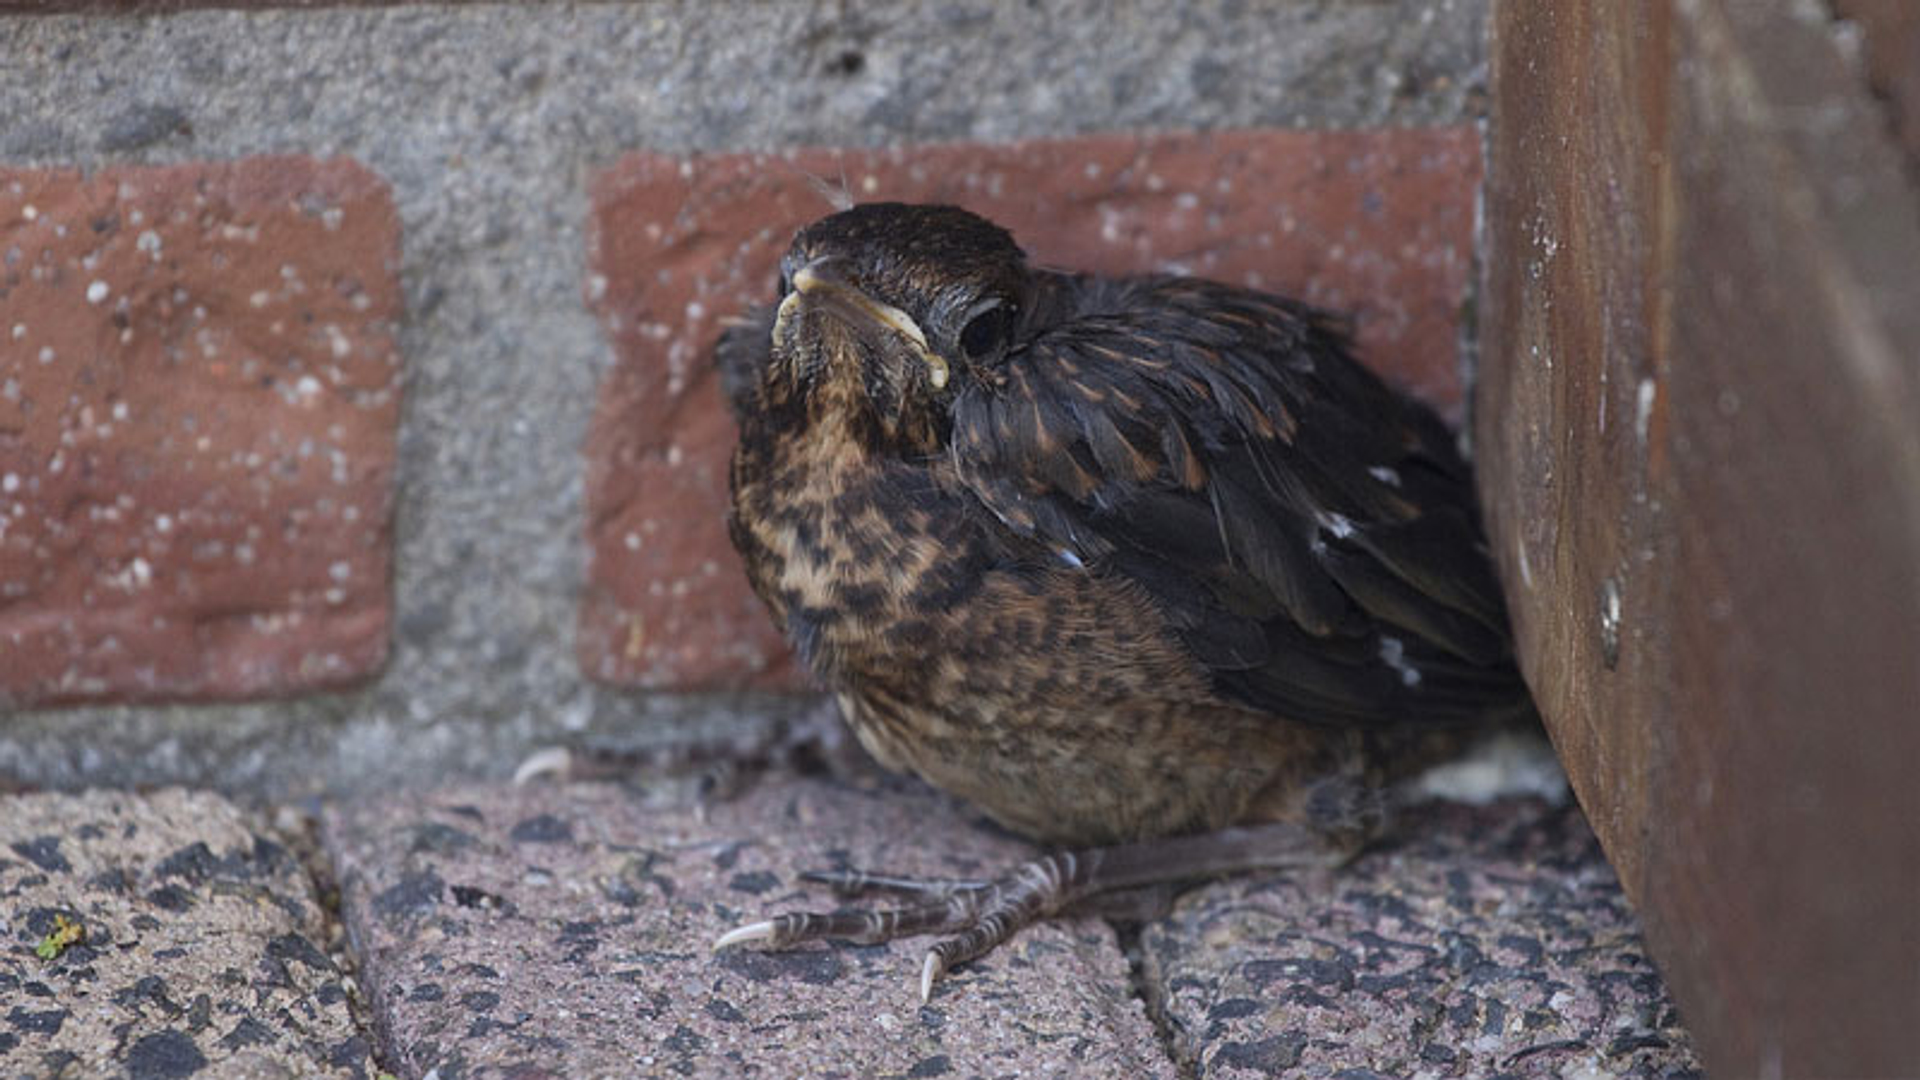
[199,393]
[1378,223]
[198,945]
[1488,941]
[565,930]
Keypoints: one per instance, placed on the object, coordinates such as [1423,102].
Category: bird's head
[888,309]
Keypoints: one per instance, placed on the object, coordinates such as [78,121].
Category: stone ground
[563,929]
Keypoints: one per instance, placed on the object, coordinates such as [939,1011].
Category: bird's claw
[976,916]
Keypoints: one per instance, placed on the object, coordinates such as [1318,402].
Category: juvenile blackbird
[1149,569]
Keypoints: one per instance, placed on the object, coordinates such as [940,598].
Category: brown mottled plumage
[1119,561]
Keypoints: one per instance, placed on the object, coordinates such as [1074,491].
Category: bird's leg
[977,916]
[856,882]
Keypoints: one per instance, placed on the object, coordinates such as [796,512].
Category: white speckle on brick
[338,342]
[97,292]
[259,298]
[149,242]
[632,540]
[340,570]
[308,386]
[331,217]
[10,483]
[119,410]
[30,212]
[136,575]
[19,331]
[162,523]
[336,596]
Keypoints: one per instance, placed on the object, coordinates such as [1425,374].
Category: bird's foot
[975,916]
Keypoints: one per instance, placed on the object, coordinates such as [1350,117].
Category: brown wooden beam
[1699,433]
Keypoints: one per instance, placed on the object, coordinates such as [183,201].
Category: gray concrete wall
[487,121]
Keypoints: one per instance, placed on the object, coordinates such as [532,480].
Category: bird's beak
[814,284]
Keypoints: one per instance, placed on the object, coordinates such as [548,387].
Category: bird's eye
[987,331]
[783,285]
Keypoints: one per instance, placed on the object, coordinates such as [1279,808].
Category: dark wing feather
[1309,532]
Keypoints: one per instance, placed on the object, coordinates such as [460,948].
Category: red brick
[198,398]
[1376,222]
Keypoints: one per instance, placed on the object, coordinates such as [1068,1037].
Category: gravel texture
[162,936]
[1489,941]
[565,930]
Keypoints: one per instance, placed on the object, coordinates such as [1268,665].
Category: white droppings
[695,311]
[149,242]
[1385,475]
[19,331]
[632,541]
[46,354]
[259,298]
[331,217]
[30,212]
[337,342]
[1393,654]
[162,523]
[308,386]
[340,570]
[10,483]
[1643,408]
[97,292]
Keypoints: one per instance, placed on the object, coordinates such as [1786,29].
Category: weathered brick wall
[201,393]
[355,416]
